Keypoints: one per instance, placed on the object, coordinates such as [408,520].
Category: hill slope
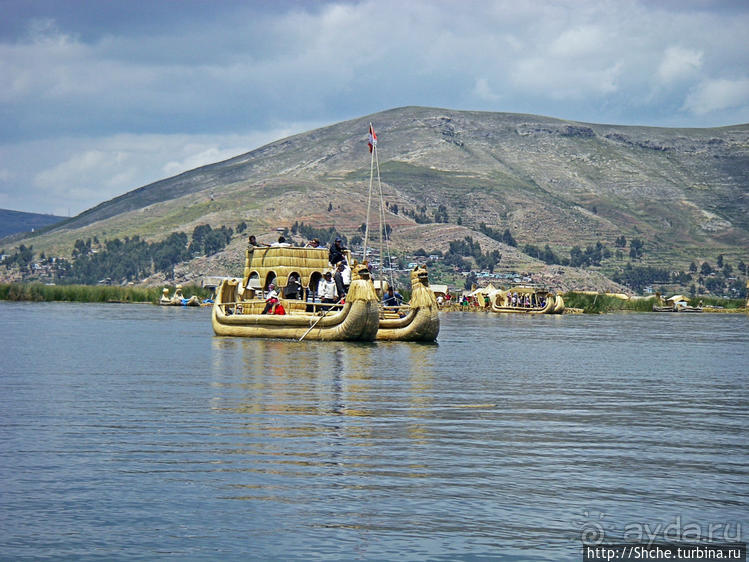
[13,222]
[684,192]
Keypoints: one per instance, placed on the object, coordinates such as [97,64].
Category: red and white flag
[372,138]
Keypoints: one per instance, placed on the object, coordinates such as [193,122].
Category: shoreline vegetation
[585,302]
[597,303]
[39,292]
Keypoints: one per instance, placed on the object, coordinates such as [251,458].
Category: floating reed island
[39,292]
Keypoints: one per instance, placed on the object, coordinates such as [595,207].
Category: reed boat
[677,303]
[527,300]
[675,309]
[178,299]
[417,321]
[237,310]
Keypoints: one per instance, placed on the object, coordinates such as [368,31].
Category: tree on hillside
[636,248]
[508,239]
[470,281]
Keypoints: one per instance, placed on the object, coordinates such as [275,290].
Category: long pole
[316,321]
[369,198]
[382,222]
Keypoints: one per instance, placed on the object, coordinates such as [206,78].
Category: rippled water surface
[131,431]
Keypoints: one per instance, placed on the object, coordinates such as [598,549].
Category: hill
[683,192]
[13,222]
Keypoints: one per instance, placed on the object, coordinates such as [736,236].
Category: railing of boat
[315,308]
[397,310]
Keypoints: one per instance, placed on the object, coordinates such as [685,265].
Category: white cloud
[717,95]
[679,63]
[46,176]
[93,107]
[483,91]
[544,77]
[578,42]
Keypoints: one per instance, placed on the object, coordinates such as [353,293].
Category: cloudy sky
[99,97]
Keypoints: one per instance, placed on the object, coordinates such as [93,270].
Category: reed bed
[600,303]
[728,304]
[39,292]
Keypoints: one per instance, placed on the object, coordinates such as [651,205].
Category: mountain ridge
[16,222]
[685,192]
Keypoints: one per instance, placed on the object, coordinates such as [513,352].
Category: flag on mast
[372,138]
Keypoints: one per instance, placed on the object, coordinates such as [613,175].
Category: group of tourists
[331,288]
[526,300]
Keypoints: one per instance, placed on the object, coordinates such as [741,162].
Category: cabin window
[270,279]
[254,281]
[311,291]
[293,289]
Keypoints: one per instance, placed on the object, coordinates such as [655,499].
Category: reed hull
[553,306]
[421,324]
[357,320]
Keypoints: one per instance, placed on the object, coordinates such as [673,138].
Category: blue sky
[100,97]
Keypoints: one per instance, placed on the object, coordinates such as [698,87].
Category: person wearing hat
[271,300]
[338,278]
[335,254]
[326,290]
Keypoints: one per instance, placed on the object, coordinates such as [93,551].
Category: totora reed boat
[418,320]
[527,300]
[239,305]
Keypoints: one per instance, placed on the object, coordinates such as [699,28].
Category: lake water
[131,431]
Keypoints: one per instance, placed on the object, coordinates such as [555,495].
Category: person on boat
[340,285]
[346,275]
[326,290]
[274,306]
[293,288]
[271,299]
[335,254]
[282,243]
[392,298]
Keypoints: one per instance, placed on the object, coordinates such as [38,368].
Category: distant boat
[178,299]
[676,303]
[238,308]
[526,299]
